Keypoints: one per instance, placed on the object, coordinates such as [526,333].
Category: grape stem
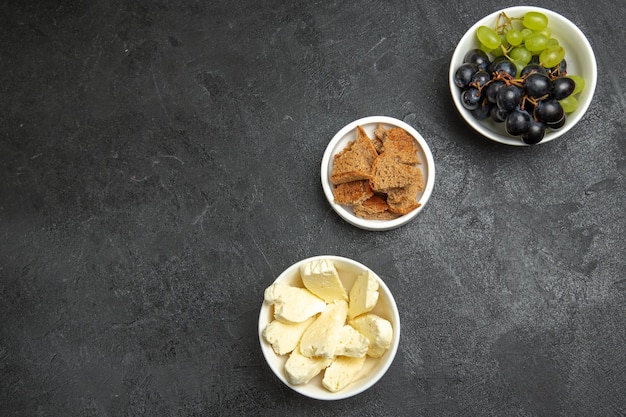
[534,102]
[506,77]
[501,28]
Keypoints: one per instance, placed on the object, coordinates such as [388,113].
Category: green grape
[535,20]
[536,42]
[503,41]
[488,37]
[553,42]
[521,54]
[580,83]
[526,33]
[545,32]
[485,49]
[519,65]
[550,57]
[514,37]
[497,52]
[569,103]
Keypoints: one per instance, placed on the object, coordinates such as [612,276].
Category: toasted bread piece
[353,192]
[355,162]
[404,200]
[388,173]
[400,144]
[380,133]
[374,208]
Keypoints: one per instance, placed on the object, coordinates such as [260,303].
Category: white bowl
[349,133]
[580,61]
[373,369]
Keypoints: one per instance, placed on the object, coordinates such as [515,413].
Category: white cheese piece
[363,295]
[351,343]
[321,278]
[341,372]
[321,337]
[377,329]
[292,304]
[300,369]
[284,337]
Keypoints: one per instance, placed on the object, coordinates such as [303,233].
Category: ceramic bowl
[578,55]
[340,141]
[373,369]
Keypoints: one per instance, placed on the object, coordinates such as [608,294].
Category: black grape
[509,97]
[480,78]
[483,111]
[492,89]
[496,60]
[559,70]
[537,85]
[535,133]
[549,111]
[498,115]
[558,124]
[531,68]
[477,57]
[470,97]
[505,66]
[463,74]
[517,122]
[562,87]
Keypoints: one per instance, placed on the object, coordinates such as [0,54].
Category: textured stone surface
[159,167]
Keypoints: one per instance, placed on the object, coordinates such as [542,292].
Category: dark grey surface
[160,167]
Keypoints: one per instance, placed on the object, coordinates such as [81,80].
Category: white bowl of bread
[329,327]
[377,173]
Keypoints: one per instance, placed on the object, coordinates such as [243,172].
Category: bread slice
[399,143]
[380,133]
[355,162]
[403,200]
[388,172]
[374,208]
[353,192]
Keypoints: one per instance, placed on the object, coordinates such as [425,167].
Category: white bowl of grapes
[523,76]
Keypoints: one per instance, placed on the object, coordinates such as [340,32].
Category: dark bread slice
[374,208]
[355,162]
[380,133]
[404,199]
[353,192]
[388,173]
[399,143]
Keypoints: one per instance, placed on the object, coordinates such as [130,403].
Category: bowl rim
[376,225]
[590,82]
[386,360]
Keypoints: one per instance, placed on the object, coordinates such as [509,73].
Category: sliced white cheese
[363,294]
[341,372]
[284,337]
[300,369]
[377,329]
[293,304]
[321,337]
[321,278]
[351,343]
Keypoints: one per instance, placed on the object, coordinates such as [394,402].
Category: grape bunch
[518,76]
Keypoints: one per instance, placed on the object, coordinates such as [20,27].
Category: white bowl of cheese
[329,327]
